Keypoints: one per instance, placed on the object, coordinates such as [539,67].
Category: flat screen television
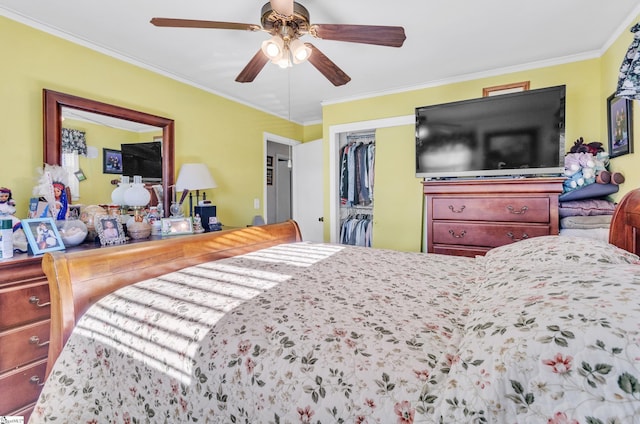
[506,135]
[144,159]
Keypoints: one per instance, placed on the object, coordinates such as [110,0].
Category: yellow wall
[224,134]
[228,136]
[397,192]
[627,164]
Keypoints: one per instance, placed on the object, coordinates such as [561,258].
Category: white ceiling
[446,41]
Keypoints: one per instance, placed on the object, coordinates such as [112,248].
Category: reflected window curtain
[73,144]
[629,77]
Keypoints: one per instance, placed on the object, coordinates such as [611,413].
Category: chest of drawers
[24,333]
[469,217]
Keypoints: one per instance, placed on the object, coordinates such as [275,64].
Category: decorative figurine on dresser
[8,210]
[52,193]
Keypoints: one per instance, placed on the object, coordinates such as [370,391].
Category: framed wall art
[515,87]
[42,235]
[269,176]
[111,161]
[619,126]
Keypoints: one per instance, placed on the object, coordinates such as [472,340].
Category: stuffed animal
[579,146]
[575,181]
[571,164]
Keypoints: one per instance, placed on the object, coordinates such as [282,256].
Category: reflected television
[505,135]
[144,159]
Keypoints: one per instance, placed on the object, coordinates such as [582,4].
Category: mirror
[54,102]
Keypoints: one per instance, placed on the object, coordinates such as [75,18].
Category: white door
[308,201]
[283,188]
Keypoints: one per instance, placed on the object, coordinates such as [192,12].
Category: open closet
[356,182]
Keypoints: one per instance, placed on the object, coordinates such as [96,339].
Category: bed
[256,326]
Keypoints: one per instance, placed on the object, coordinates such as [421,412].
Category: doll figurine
[52,186]
[8,207]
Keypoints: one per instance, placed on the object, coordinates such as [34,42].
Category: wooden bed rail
[77,280]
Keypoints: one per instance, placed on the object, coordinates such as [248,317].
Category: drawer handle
[35,340]
[35,300]
[512,237]
[36,380]
[462,233]
[522,210]
[456,211]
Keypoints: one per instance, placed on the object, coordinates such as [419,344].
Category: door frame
[335,131]
[274,138]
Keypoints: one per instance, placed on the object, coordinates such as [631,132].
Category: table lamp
[194,176]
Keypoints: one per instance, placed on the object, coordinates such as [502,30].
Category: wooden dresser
[469,217]
[24,333]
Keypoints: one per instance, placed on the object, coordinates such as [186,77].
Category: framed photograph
[176,226]
[515,87]
[110,230]
[80,175]
[42,235]
[111,161]
[269,160]
[269,176]
[619,126]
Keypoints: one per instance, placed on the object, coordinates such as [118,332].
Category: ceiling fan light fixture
[299,51]
[273,48]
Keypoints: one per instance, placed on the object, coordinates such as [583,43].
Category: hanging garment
[629,77]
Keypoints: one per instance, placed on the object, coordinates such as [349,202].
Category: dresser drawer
[479,234]
[22,345]
[505,209]
[24,304]
[21,387]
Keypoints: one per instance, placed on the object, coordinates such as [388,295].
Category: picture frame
[80,175]
[269,160]
[42,235]
[110,230]
[514,87]
[111,161]
[269,176]
[176,226]
[619,126]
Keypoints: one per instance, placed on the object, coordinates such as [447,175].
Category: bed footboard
[77,280]
[625,223]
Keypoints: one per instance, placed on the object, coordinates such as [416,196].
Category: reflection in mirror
[56,105]
[93,144]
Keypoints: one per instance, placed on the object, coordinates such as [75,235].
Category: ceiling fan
[287,21]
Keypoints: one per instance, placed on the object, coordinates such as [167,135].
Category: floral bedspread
[544,330]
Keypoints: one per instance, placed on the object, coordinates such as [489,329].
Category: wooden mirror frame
[53,102]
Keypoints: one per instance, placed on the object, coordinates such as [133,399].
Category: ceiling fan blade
[193,23]
[326,67]
[391,36]
[283,7]
[253,68]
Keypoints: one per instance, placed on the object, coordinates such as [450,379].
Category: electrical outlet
[256,203]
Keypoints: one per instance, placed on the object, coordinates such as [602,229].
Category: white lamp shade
[194,176]
[137,195]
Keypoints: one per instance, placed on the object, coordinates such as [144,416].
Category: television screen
[503,135]
[144,159]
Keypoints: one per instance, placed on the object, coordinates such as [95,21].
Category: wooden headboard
[77,280]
